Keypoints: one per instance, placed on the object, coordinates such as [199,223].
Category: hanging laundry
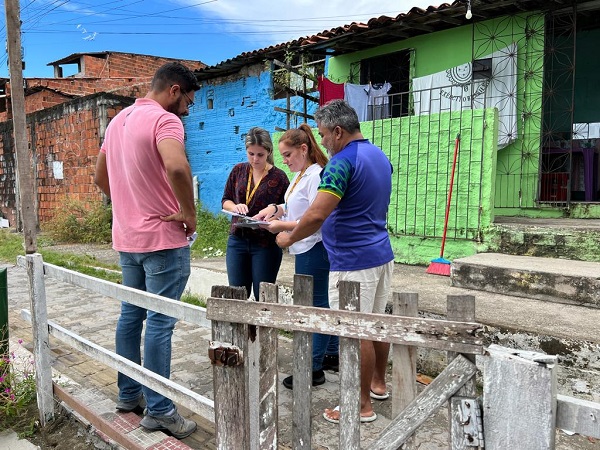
[328,90]
[357,97]
[378,101]
[455,89]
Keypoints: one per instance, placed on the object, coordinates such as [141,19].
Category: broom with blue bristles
[441,266]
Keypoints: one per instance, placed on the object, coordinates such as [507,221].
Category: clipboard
[245,221]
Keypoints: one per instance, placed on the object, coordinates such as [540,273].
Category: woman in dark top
[252,254]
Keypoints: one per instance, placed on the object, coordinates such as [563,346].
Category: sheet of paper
[191,239]
[245,221]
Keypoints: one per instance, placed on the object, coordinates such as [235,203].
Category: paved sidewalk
[10,441]
[94,317]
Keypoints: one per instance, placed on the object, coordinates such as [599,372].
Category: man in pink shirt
[142,167]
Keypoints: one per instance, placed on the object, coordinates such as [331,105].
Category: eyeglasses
[190,102]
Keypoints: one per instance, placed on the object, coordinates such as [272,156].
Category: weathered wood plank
[404,357]
[520,401]
[179,394]
[579,416]
[302,371]
[41,339]
[261,365]
[446,384]
[231,400]
[183,311]
[97,421]
[431,333]
[349,373]
[460,308]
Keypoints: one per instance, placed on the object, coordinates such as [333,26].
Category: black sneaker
[318,378]
[331,362]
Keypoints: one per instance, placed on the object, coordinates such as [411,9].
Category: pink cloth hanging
[328,90]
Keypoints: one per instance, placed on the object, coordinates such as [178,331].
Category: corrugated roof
[383,30]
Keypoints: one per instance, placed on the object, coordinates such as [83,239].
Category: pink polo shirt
[139,188]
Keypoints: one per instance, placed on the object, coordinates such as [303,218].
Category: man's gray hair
[338,113]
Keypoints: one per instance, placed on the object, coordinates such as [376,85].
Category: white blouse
[298,201]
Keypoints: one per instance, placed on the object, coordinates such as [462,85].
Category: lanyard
[294,185]
[249,194]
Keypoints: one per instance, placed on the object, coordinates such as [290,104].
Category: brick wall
[7,173]
[41,100]
[123,74]
[124,64]
[65,140]
[64,133]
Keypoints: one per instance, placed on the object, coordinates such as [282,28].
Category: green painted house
[511,86]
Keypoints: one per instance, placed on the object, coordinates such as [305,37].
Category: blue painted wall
[215,137]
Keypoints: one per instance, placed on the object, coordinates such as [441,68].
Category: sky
[210,31]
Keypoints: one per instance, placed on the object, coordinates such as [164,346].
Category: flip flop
[363,419]
[383,396]
[331,419]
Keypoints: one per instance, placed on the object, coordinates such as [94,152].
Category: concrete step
[556,280]
[577,239]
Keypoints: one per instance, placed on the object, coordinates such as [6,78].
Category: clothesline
[370,101]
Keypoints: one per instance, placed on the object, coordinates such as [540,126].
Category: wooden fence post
[41,339]
[519,388]
[231,401]
[261,376]
[462,309]
[302,371]
[349,373]
[404,360]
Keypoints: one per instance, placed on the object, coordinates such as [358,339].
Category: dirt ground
[65,432]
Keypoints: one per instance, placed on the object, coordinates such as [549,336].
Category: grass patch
[11,245]
[84,264]
[213,232]
[193,299]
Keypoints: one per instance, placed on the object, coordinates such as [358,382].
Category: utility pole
[25,168]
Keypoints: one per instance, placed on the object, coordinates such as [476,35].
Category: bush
[83,223]
[17,389]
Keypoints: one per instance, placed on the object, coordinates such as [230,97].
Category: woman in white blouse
[302,155]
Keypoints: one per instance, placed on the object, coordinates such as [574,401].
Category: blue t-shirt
[355,233]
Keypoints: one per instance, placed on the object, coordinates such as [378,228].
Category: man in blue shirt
[351,208]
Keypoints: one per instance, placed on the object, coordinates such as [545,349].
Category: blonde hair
[303,135]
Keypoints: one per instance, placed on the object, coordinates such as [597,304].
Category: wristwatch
[276,208]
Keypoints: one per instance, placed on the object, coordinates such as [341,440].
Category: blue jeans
[165,273]
[316,263]
[248,263]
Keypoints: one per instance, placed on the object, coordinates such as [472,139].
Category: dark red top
[270,190]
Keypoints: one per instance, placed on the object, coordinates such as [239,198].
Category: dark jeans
[315,263]
[248,263]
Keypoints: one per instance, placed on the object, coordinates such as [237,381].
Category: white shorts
[375,284]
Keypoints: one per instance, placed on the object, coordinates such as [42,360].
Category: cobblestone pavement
[93,317]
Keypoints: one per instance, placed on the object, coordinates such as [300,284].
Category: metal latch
[471,421]
[223,354]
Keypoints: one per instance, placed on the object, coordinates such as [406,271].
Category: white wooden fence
[521,408]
